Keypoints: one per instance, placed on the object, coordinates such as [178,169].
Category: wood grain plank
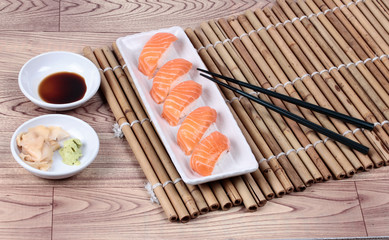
[25,213]
[18,47]
[374,174]
[374,198]
[139,16]
[35,15]
[329,209]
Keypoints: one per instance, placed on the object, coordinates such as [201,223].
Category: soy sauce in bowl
[62,87]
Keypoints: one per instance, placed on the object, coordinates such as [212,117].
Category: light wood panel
[374,174]
[138,16]
[122,213]
[374,200]
[25,213]
[34,15]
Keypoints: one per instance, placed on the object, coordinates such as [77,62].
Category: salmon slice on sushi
[166,77]
[152,52]
[208,152]
[179,100]
[194,127]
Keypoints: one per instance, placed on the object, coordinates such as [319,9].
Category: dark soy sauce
[62,87]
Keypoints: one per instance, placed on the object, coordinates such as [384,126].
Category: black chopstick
[313,126]
[313,107]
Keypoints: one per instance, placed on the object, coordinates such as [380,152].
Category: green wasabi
[71,151]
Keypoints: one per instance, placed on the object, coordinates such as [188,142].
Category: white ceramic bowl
[39,67]
[76,129]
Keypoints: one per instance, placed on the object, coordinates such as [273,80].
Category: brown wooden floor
[108,199]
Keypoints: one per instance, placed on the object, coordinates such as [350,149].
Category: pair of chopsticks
[337,137]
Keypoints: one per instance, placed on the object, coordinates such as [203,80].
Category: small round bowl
[76,129]
[39,67]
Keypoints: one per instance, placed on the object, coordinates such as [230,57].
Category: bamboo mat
[333,53]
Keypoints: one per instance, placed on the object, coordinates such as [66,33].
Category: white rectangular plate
[239,160]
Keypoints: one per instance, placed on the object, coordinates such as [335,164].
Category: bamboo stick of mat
[377,13]
[221,196]
[263,165]
[363,160]
[385,5]
[359,77]
[251,180]
[209,197]
[322,50]
[141,113]
[263,184]
[133,142]
[143,140]
[264,59]
[381,6]
[236,30]
[132,94]
[223,53]
[359,20]
[371,18]
[346,52]
[256,197]
[254,190]
[361,36]
[154,139]
[214,64]
[348,40]
[360,39]
[271,178]
[248,201]
[232,193]
[257,175]
[139,110]
[198,197]
[337,97]
[305,94]
[359,33]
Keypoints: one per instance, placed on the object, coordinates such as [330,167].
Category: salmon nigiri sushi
[164,80]
[179,99]
[208,152]
[193,128]
[153,51]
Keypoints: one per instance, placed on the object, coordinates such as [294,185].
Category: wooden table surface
[108,200]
